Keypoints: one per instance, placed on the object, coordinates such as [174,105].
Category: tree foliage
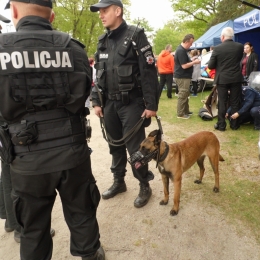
[231,9]
[74,17]
[191,16]
[201,10]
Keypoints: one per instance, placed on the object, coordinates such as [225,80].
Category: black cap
[104,4]
[47,3]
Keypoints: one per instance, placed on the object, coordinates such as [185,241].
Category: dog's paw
[173,212]
[162,202]
[198,181]
[215,189]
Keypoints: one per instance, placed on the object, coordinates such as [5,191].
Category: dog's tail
[221,159]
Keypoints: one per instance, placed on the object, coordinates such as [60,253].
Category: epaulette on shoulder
[134,30]
[78,42]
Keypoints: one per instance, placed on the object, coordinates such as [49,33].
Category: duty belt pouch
[26,135]
[100,73]
[125,82]
[6,146]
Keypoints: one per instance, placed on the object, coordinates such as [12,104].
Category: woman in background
[196,73]
[249,61]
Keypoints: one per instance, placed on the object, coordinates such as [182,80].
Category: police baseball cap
[104,4]
[47,3]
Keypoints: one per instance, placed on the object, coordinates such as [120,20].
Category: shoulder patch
[149,57]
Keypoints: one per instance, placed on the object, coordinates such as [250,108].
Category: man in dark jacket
[250,109]
[226,59]
[127,76]
[45,79]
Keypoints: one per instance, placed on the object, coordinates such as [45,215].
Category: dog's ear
[153,133]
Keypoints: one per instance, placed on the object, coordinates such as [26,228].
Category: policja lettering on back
[31,60]
[42,99]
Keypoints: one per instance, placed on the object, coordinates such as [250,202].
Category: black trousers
[34,196]
[6,203]
[228,94]
[195,87]
[119,119]
[168,79]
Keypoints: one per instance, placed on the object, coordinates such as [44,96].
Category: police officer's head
[110,12]
[22,8]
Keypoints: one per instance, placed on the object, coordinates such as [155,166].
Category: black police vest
[45,95]
[117,69]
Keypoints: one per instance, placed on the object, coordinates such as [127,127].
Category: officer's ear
[118,11]
[14,11]
[52,16]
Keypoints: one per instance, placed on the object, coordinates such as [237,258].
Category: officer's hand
[98,111]
[235,115]
[148,113]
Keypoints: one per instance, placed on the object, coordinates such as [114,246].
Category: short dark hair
[187,38]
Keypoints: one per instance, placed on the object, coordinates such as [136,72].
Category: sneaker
[7,228]
[184,117]
[190,113]
[176,95]
[194,95]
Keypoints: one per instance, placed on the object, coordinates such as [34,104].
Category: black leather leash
[128,135]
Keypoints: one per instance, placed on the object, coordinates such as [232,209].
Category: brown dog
[174,159]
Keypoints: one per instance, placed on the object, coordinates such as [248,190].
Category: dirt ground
[199,232]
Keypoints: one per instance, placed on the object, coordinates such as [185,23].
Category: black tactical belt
[114,96]
[75,139]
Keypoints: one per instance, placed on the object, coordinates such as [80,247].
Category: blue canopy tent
[212,36]
[247,29]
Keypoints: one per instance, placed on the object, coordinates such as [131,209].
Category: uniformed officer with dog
[45,79]
[127,78]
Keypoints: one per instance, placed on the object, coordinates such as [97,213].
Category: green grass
[239,196]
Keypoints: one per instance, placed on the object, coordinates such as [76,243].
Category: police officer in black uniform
[127,77]
[45,79]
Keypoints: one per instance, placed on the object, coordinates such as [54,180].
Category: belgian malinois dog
[175,159]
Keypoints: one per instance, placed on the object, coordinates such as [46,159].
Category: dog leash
[125,138]
[128,135]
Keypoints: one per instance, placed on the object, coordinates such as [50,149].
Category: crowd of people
[233,63]
[43,119]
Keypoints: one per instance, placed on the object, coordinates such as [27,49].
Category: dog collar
[166,151]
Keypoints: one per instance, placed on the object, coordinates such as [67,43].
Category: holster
[6,146]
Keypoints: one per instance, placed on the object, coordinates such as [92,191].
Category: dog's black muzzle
[139,160]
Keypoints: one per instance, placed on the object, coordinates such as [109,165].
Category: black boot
[7,228]
[99,255]
[143,196]
[118,186]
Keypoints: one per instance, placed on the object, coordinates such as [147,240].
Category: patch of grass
[239,196]
[147,221]
[138,242]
